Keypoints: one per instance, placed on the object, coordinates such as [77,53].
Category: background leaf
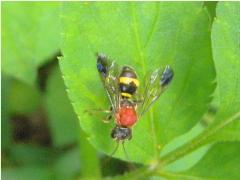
[62,118]
[60,112]
[226,124]
[17,98]
[28,172]
[30,36]
[218,163]
[145,36]
[226,52]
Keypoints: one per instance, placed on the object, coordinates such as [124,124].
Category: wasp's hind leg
[94,111]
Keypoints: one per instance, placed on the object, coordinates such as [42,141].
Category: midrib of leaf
[137,38]
[143,59]
[153,28]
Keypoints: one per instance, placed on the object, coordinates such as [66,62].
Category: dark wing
[155,84]
[109,71]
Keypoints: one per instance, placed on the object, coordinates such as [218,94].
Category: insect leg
[107,119]
[93,111]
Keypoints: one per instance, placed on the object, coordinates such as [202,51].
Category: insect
[128,105]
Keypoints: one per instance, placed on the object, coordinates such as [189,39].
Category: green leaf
[62,118]
[30,36]
[67,166]
[145,36]
[6,128]
[27,172]
[226,53]
[190,159]
[211,7]
[22,97]
[60,112]
[19,97]
[90,164]
[29,154]
[221,162]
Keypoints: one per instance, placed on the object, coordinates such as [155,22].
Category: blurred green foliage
[192,132]
[30,36]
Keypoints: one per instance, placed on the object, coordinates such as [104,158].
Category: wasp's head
[121,133]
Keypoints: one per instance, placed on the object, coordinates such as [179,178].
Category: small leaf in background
[62,119]
[145,36]
[221,162]
[30,35]
[211,7]
[23,98]
[35,172]
[29,154]
[17,98]
[6,128]
[66,131]
[67,166]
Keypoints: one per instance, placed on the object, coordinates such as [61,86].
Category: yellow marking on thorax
[128,80]
[126,95]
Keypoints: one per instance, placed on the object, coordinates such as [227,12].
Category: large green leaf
[30,35]
[145,36]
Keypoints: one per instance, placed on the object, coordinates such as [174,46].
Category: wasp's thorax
[128,82]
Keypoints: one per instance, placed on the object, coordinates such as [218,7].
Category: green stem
[197,142]
[170,175]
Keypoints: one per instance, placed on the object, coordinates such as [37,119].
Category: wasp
[121,85]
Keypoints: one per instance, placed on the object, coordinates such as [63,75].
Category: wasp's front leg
[106,119]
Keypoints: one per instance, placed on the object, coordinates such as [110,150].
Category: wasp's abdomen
[128,82]
[126,116]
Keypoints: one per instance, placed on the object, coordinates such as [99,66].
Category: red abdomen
[126,116]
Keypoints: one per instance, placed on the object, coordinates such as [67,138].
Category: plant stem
[197,142]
